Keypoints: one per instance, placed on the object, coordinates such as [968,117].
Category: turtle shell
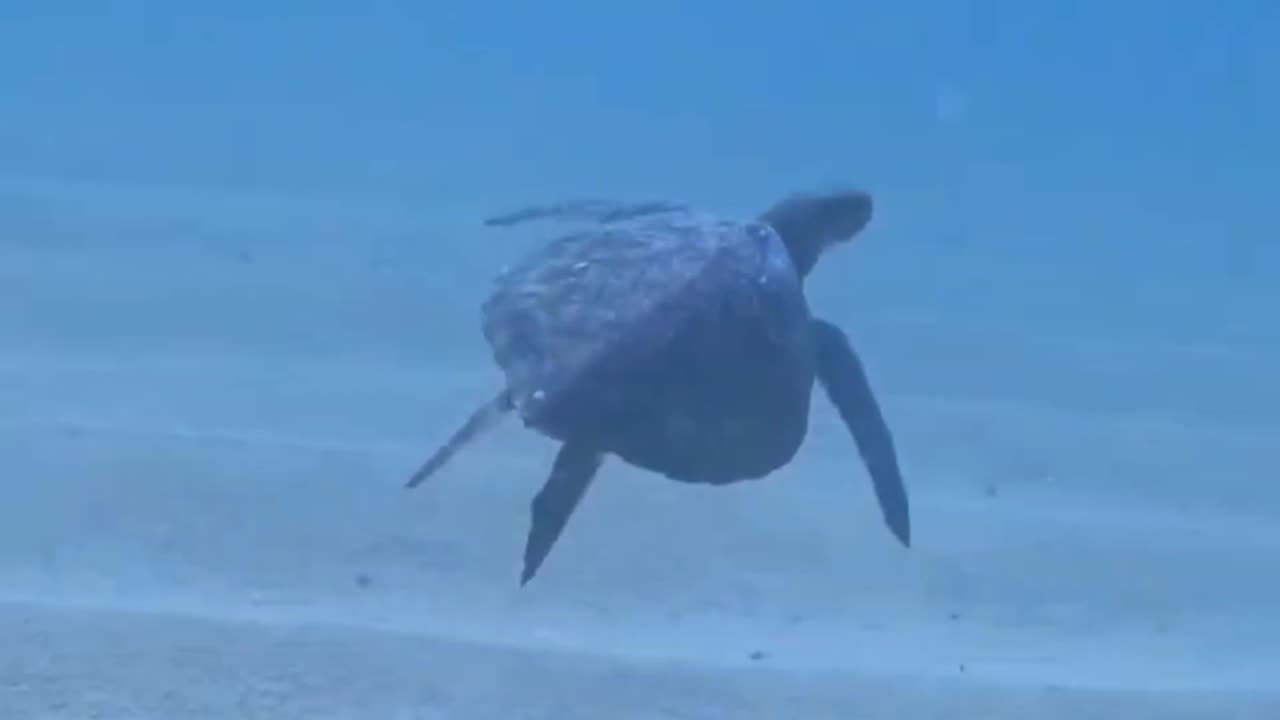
[625,330]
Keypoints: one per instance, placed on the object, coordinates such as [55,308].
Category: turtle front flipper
[574,468]
[600,211]
[842,376]
[483,419]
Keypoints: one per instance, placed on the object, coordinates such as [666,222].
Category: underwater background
[241,266]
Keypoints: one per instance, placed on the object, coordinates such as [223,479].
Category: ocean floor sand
[204,447]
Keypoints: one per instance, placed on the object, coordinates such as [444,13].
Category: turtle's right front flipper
[841,373]
[574,468]
[600,211]
[483,419]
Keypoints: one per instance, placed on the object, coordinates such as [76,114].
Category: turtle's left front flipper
[598,211]
[842,376]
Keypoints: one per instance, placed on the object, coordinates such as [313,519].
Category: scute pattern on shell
[621,288]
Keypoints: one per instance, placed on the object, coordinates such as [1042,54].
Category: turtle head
[812,222]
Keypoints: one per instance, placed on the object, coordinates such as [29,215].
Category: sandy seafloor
[206,429]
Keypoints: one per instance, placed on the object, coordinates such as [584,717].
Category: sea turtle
[680,342]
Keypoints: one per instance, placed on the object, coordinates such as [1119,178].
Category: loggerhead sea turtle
[680,342]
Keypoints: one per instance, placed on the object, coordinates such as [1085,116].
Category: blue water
[256,224]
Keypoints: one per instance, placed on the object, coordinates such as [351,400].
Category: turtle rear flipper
[846,384]
[574,468]
[483,419]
